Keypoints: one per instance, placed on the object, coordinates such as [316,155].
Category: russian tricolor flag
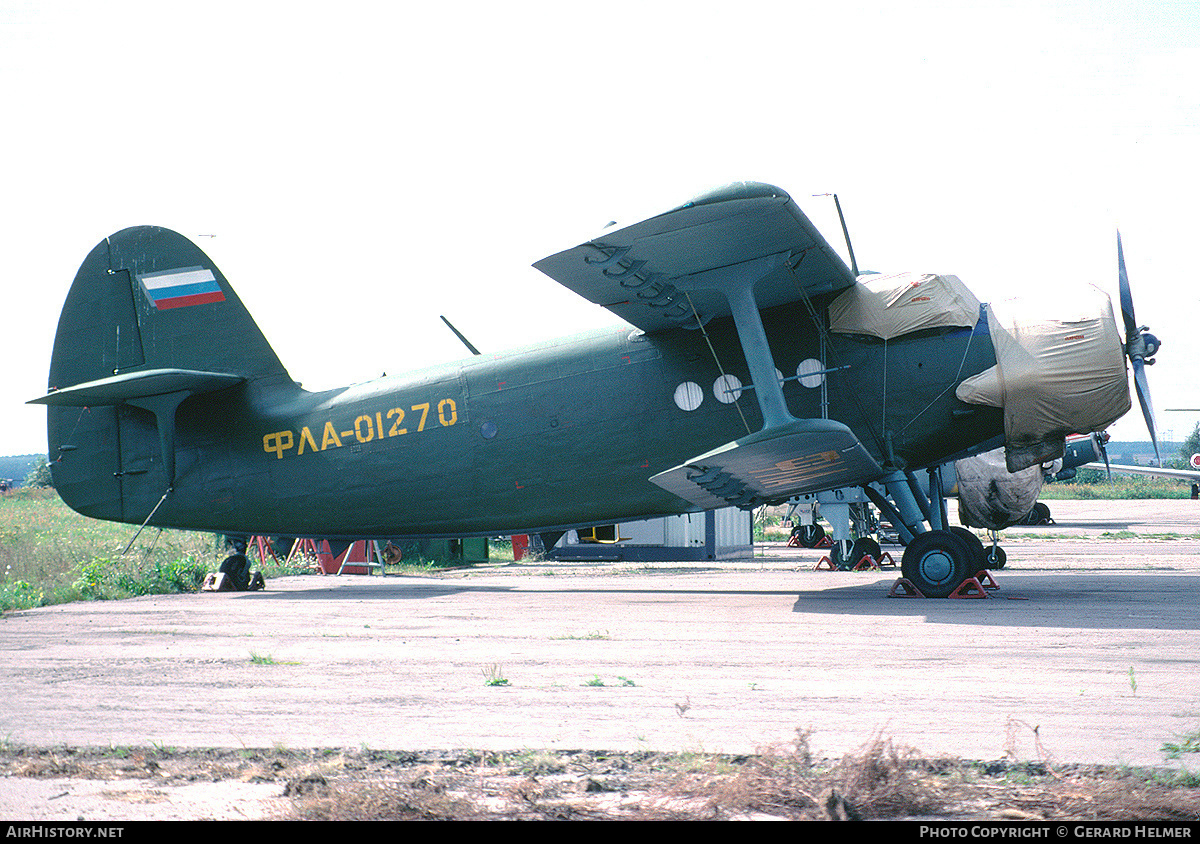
[181,288]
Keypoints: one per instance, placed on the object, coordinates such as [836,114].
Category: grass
[267,659]
[1187,743]
[493,675]
[50,554]
[1120,487]
[416,560]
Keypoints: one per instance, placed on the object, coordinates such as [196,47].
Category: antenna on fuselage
[460,336]
[845,231]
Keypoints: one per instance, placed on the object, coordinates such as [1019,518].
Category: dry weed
[883,781]
[376,801]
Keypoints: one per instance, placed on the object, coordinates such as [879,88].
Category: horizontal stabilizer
[807,455]
[138,385]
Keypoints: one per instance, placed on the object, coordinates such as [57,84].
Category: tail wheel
[937,562]
[237,568]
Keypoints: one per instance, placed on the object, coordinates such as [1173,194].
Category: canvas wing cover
[667,271]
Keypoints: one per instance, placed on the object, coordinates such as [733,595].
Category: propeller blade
[1127,315]
[1101,439]
[1143,394]
[1140,347]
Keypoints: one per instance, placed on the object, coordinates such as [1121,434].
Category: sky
[357,170]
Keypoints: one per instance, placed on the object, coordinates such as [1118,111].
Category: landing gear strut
[938,557]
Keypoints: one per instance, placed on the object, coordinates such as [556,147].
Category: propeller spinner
[1140,346]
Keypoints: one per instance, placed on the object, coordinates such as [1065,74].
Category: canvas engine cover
[990,496]
[1053,376]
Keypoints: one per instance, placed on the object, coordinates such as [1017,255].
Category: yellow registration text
[380,425]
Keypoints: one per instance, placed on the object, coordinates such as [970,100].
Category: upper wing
[657,274]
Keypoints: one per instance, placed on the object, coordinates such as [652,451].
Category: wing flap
[652,273]
[808,455]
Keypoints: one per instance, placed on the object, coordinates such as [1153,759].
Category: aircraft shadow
[1083,601]
[397,589]
[1104,602]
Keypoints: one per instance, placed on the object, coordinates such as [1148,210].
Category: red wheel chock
[867,563]
[906,585]
[826,564]
[986,580]
[970,588]
[823,542]
[888,557]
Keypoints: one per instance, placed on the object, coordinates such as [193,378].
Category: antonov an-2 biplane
[757,367]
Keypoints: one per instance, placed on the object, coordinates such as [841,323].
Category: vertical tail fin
[149,322]
[148,298]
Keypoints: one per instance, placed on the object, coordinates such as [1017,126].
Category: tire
[840,554]
[237,568]
[1039,515]
[809,535]
[978,552]
[937,562]
[994,557]
[862,546]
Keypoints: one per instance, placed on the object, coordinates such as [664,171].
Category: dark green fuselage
[177,401]
[560,435]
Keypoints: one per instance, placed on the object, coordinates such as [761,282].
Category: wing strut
[737,282]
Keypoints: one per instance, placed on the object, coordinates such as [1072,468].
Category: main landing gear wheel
[937,562]
[978,552]
[809,535]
